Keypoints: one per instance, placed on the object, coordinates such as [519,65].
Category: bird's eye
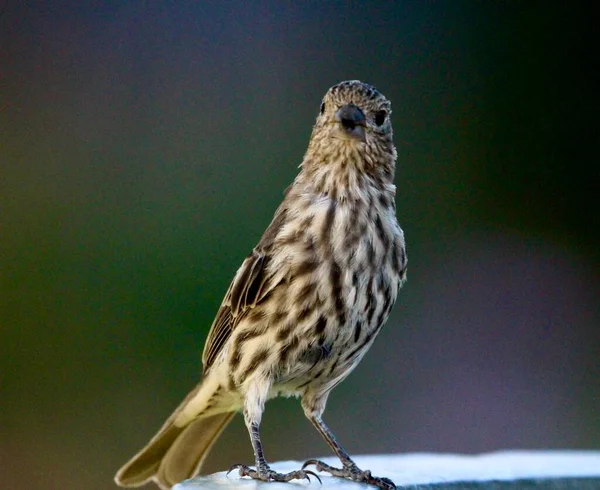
[380,117]
[322,110]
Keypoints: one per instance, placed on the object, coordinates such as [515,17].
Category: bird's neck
[345,175]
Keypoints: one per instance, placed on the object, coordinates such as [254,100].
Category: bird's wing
[251,284]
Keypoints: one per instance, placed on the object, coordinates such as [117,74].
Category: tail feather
[174,454]
[179,448]
[144,465]
[186,455]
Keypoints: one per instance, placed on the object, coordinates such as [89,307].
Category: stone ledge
[506,470]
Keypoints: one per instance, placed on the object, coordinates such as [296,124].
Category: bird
[305,305]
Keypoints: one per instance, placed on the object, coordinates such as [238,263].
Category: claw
[352,472]
[269,475]
[311,473]
[233,467]
[319,465]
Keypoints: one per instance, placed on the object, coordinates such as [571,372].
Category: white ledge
[577,469]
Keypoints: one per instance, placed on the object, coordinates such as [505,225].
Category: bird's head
[353,125]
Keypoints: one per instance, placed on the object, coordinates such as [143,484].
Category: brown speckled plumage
[306,304]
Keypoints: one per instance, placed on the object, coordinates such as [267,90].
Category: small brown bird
[306,304]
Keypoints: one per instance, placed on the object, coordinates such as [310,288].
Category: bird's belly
[328,362]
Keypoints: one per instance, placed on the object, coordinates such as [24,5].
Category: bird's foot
[265,473]
[352,472]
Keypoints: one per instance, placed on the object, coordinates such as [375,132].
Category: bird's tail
[174,453]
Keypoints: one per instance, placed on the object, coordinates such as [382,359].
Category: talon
[233,467]
[313,474]
[243,470]
[267,474]
[351,472]
[319,465]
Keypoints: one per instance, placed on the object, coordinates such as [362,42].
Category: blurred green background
[144,147]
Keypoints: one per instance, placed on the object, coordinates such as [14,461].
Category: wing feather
[251,284]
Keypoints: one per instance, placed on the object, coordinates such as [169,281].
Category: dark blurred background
[144,147]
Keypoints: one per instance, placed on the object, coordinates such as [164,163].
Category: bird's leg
[263,471]
[349,469]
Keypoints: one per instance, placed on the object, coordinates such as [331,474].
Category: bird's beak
[351,122]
